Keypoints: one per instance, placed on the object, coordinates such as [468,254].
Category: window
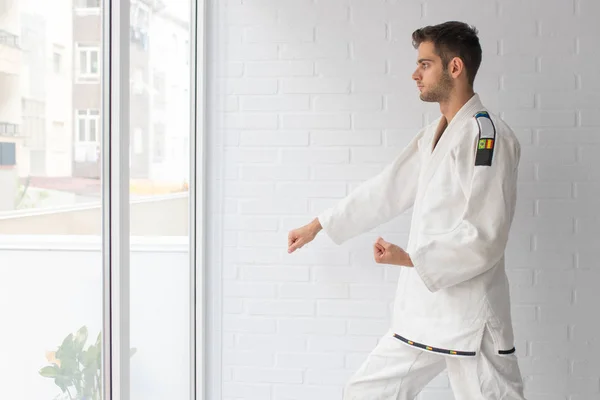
[57,63]
[9,39]
[8,129]
[88,63]
[8,154]
[88,126]
[34,123]
[63,231]
[57,58]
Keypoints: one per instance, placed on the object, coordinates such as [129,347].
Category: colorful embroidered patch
[487,139]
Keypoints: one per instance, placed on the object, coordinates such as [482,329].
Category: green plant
[75,369]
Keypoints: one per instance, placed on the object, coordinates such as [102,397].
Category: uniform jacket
[463,195]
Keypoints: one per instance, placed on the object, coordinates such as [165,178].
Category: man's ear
[456,67]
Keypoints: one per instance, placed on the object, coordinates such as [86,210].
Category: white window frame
[87,76]
[60,52]
[204,272]
[89,116]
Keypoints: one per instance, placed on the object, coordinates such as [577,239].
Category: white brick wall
[317,97]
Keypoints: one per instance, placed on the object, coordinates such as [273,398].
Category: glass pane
[160,114]
[92,122]
[50,206]
[82,130]
[83,62]
[57,63]
[94,62]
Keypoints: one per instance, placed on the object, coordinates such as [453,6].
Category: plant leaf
[80,339]
[50,371]
[65,351]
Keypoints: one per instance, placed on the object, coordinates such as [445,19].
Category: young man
[452,307]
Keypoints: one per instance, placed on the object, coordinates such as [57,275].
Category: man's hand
[303,235]
[388,253]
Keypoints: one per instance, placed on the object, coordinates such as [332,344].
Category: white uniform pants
[395,370]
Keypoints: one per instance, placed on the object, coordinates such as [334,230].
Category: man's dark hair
[453,39]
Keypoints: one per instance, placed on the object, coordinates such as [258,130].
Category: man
[459,173]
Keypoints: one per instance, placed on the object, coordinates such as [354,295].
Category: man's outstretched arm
[374,202]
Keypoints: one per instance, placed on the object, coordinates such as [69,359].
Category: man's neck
[455,102]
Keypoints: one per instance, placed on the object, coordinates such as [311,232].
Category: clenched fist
[388,253]
[303,235]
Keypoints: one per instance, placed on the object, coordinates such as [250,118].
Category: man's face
[433,80]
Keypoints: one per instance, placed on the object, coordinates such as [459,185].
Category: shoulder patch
[487,139]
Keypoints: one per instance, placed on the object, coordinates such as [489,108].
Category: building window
[88,63]
[88,126]
[34,123]
[57,59]
[8,129]
[57,62]
[9,39]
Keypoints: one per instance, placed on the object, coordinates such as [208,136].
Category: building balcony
[8,129]
[10,53]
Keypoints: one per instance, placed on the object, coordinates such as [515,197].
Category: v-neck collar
[466,112]
[443,122]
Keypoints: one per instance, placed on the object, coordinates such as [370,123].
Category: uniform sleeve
[378,199]
[489,181]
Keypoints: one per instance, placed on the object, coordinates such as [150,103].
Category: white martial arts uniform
[453,307]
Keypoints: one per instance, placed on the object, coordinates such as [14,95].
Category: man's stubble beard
[441,91]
